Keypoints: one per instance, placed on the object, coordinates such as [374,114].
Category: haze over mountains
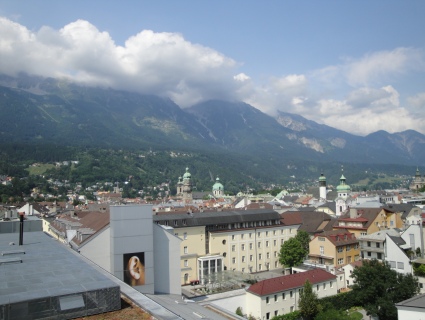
[39,110]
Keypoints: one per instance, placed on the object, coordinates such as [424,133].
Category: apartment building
[216,241]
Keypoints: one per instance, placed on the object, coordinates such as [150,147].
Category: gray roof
[415,302]
[380,235]
[48,269]
[398,240]
[404,208]
[216,217]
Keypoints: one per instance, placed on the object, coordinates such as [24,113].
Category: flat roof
[48,269]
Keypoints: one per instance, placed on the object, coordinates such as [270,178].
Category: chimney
[353,213]
[21,228]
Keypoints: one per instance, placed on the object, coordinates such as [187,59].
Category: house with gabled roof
[368,220]
[268,298]
[334,249]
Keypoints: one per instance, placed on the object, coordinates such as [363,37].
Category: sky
[358,66]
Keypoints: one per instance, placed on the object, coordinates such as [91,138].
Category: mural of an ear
[135,267]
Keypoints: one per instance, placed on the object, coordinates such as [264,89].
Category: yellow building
[241,240]
[334,248]
[368,220]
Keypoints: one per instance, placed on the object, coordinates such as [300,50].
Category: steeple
[322,186]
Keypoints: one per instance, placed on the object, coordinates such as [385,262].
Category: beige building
[241,240]
[334,248]
[369,220]
[269,298]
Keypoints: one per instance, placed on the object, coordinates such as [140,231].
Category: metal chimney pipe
[21,228]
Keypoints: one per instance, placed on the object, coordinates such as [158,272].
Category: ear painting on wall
[134,268]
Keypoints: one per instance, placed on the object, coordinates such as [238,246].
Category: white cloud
[149,62]
[380,66]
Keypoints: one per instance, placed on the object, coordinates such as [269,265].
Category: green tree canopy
[309,302]
[294,250]
[378,288]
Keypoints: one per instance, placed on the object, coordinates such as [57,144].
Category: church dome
[187,174]
[217,185]
[322,177]
[343,187]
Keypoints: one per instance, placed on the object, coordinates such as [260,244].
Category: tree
[239,311]
[309,302]
[377,288]
[293,251]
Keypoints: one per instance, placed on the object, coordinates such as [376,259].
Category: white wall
[395,256]
[166,260]
[232,303]
[411,314]
[132,232]
[98,249]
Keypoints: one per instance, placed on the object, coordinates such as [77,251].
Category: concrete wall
[30,225]
[98,249]
[131,233]
[166,260]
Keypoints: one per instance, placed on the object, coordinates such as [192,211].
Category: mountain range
[44,110]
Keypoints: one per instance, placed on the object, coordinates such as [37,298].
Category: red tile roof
[291,281]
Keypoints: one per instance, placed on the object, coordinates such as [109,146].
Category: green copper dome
[343,187]
[217,185]
[322,177]
[187,174]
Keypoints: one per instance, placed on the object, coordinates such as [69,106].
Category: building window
[259,244]
[275,298]
[340,249]
[250,257]
[369,254]
[283,296]
[259,256]
[348,248]
[250,246]
[268,255]
[322,250]
[223,242]
[260,267]
[379,255]
[176,223]
[233,248]
[317,287]
[321,238]
[267,300]
[368,243]
[282,241]
[186,263]
[243,247]
[185,249]
[291,309]
[378,244]
[267,243]
[331,284]
[340,260]
[275,254]
[324,286]
[275,313]
[400,265]
[363,233]
[267,233]
[243,258]
[349,259]
[259,234]
[233,260]
[243,270]
[392,264]
[184,222]
[274,232]
[267,315]
[233,237]
[290,294]
[185,235]
[275,243]
[250,235]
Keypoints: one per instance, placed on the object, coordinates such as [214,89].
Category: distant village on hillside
[202,254]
